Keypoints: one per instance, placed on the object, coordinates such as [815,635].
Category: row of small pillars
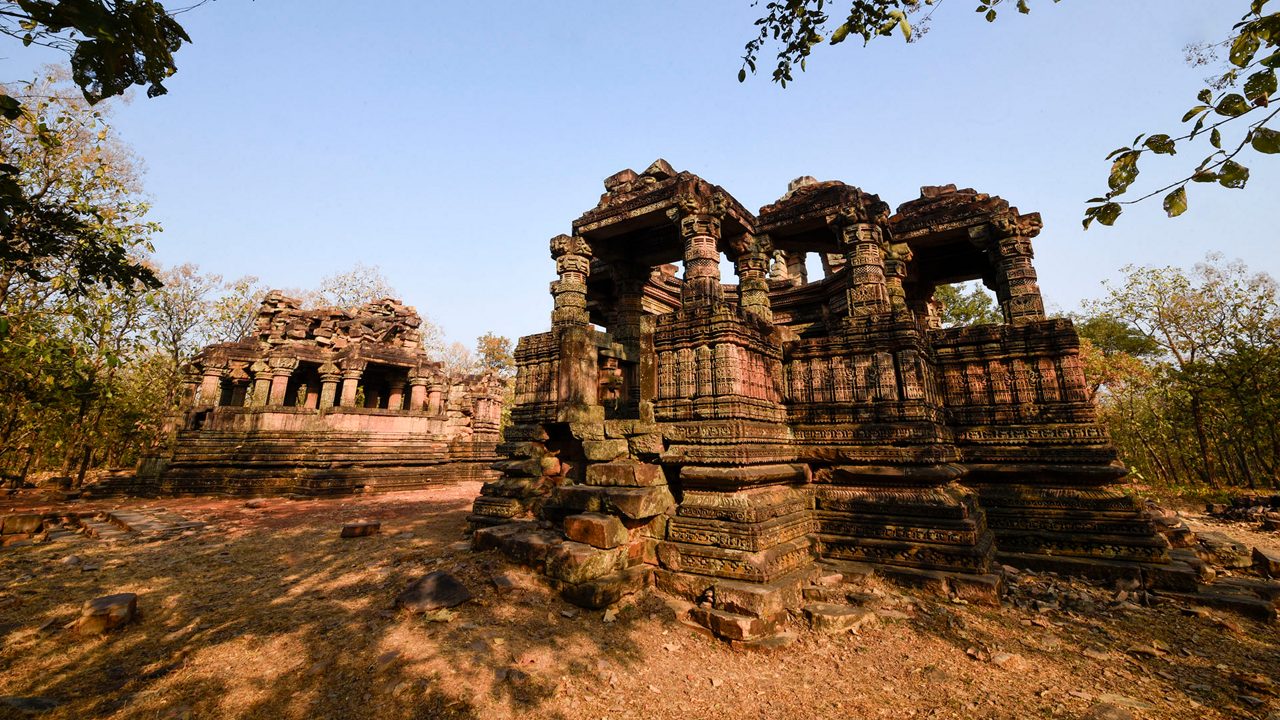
[269,379]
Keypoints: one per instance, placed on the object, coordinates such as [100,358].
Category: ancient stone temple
[729,441]
[328,401]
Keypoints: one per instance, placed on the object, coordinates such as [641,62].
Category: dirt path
[266,613]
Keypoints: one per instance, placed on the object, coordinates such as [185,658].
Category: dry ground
[268,614]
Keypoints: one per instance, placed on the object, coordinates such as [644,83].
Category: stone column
[862,244]
[1020,293]
[352,371]
[896,258]
[751,265]
[573,265]
[261,383]
[211,383]
[329,377]
[699,221]
[281,370]
[435,398]
[629,282]
[395,394]
[417,392]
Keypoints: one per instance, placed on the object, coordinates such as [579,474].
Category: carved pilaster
[211,383]
[282,368]
[261,383]
[418,382]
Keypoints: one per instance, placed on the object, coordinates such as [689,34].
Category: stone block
[625,474]
[834,619]
[604,450]
[687,586]
[1267,562]
[634,503]
[494,536]
[26,523]
[104,614]
[575,562]
[361,529]
[978,589]
[605,591]
[526,467]
[646,446]
[550,465]
[1217,548]
[595,529]
[767,600]
[732,626]
[587,430]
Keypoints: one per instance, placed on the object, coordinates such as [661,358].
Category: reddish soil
[266,613]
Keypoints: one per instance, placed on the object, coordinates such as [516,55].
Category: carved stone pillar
[435,398]
[418,392]
[395,394]
[211,383]
[261,383]
[329,377]
[896,257]
[1020,297]
[281,370]
[352,371]
[699,220]
[863,247]
[751,265]
[573,265]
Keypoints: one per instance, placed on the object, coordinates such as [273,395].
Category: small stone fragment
[104,614]
[360,529]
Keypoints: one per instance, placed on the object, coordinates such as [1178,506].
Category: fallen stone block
[1267,562]
[433,591]
[732,626]
[104,614]
[361,529]
[25,524]
[1217,548]
[605,591]
[604,450]
[834,619]
[596,529]
[575,562]
[625,474]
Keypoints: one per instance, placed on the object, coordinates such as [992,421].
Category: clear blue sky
[447,142]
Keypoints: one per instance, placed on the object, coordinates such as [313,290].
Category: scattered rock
[104,614]
[256,504]
[360,529]
[433,591]
[1006,661]
[1267,562]
[832,618]
[72,560]
[610,615]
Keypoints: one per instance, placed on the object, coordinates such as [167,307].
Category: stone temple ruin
[327,401]
[731,442]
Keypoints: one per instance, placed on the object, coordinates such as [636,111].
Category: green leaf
[1108,213]
[1194,112]
[1233,105]
[1261,84]
[1233,175]
[1204,176]
[1175,203]
[840,34]
[1215,139]
[1205,96]
[1272,61]
[1161,145]
[991,16]
[1123,172]
[1243,48]
[10,108]
[742,74]
[1265,140]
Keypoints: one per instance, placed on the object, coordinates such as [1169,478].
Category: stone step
[104,530]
